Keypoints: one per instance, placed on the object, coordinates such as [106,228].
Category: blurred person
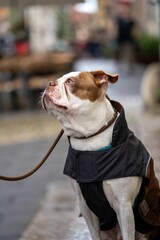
[7,41]
[21,33]
[126,40]
[81,39]
[93,45]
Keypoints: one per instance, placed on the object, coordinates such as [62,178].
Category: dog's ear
[103,77]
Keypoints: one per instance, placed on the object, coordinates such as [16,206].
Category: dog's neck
[83,126]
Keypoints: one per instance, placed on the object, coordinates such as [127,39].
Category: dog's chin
[60,106]
[50,105]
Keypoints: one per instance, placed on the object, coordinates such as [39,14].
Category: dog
[111,171]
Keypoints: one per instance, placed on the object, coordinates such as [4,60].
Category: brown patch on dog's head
[85,87]
[92,85]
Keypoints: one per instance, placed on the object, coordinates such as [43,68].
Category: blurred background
[42,40]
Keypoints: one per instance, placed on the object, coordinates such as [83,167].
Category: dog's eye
[69,81]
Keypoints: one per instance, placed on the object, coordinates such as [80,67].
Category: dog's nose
[52,84]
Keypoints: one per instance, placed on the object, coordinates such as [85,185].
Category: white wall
[43,28]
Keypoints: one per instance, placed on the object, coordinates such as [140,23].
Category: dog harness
[125,157]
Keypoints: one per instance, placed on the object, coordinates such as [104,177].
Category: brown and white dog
[78,100]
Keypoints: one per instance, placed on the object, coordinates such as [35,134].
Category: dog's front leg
[126,221]
[90,218]
[121,194]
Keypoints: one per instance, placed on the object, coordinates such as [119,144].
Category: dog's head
[71,90]
[76,94]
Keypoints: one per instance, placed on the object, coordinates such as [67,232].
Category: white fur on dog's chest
[94,143]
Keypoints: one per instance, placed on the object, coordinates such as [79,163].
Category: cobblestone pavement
[24,126]
[58,218]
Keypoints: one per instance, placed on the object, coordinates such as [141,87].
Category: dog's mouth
[60,106]
[48,103]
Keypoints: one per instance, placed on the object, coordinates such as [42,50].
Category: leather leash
[28,174]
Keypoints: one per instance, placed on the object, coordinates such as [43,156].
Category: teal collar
[105,148]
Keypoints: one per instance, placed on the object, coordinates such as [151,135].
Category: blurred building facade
[40,21]
[144,11]
[147,15]
[52,25]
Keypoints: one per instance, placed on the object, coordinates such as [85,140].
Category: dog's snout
[52,84]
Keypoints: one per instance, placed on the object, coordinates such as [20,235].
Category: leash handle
[28,174]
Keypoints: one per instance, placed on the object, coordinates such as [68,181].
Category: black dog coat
[126,156]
